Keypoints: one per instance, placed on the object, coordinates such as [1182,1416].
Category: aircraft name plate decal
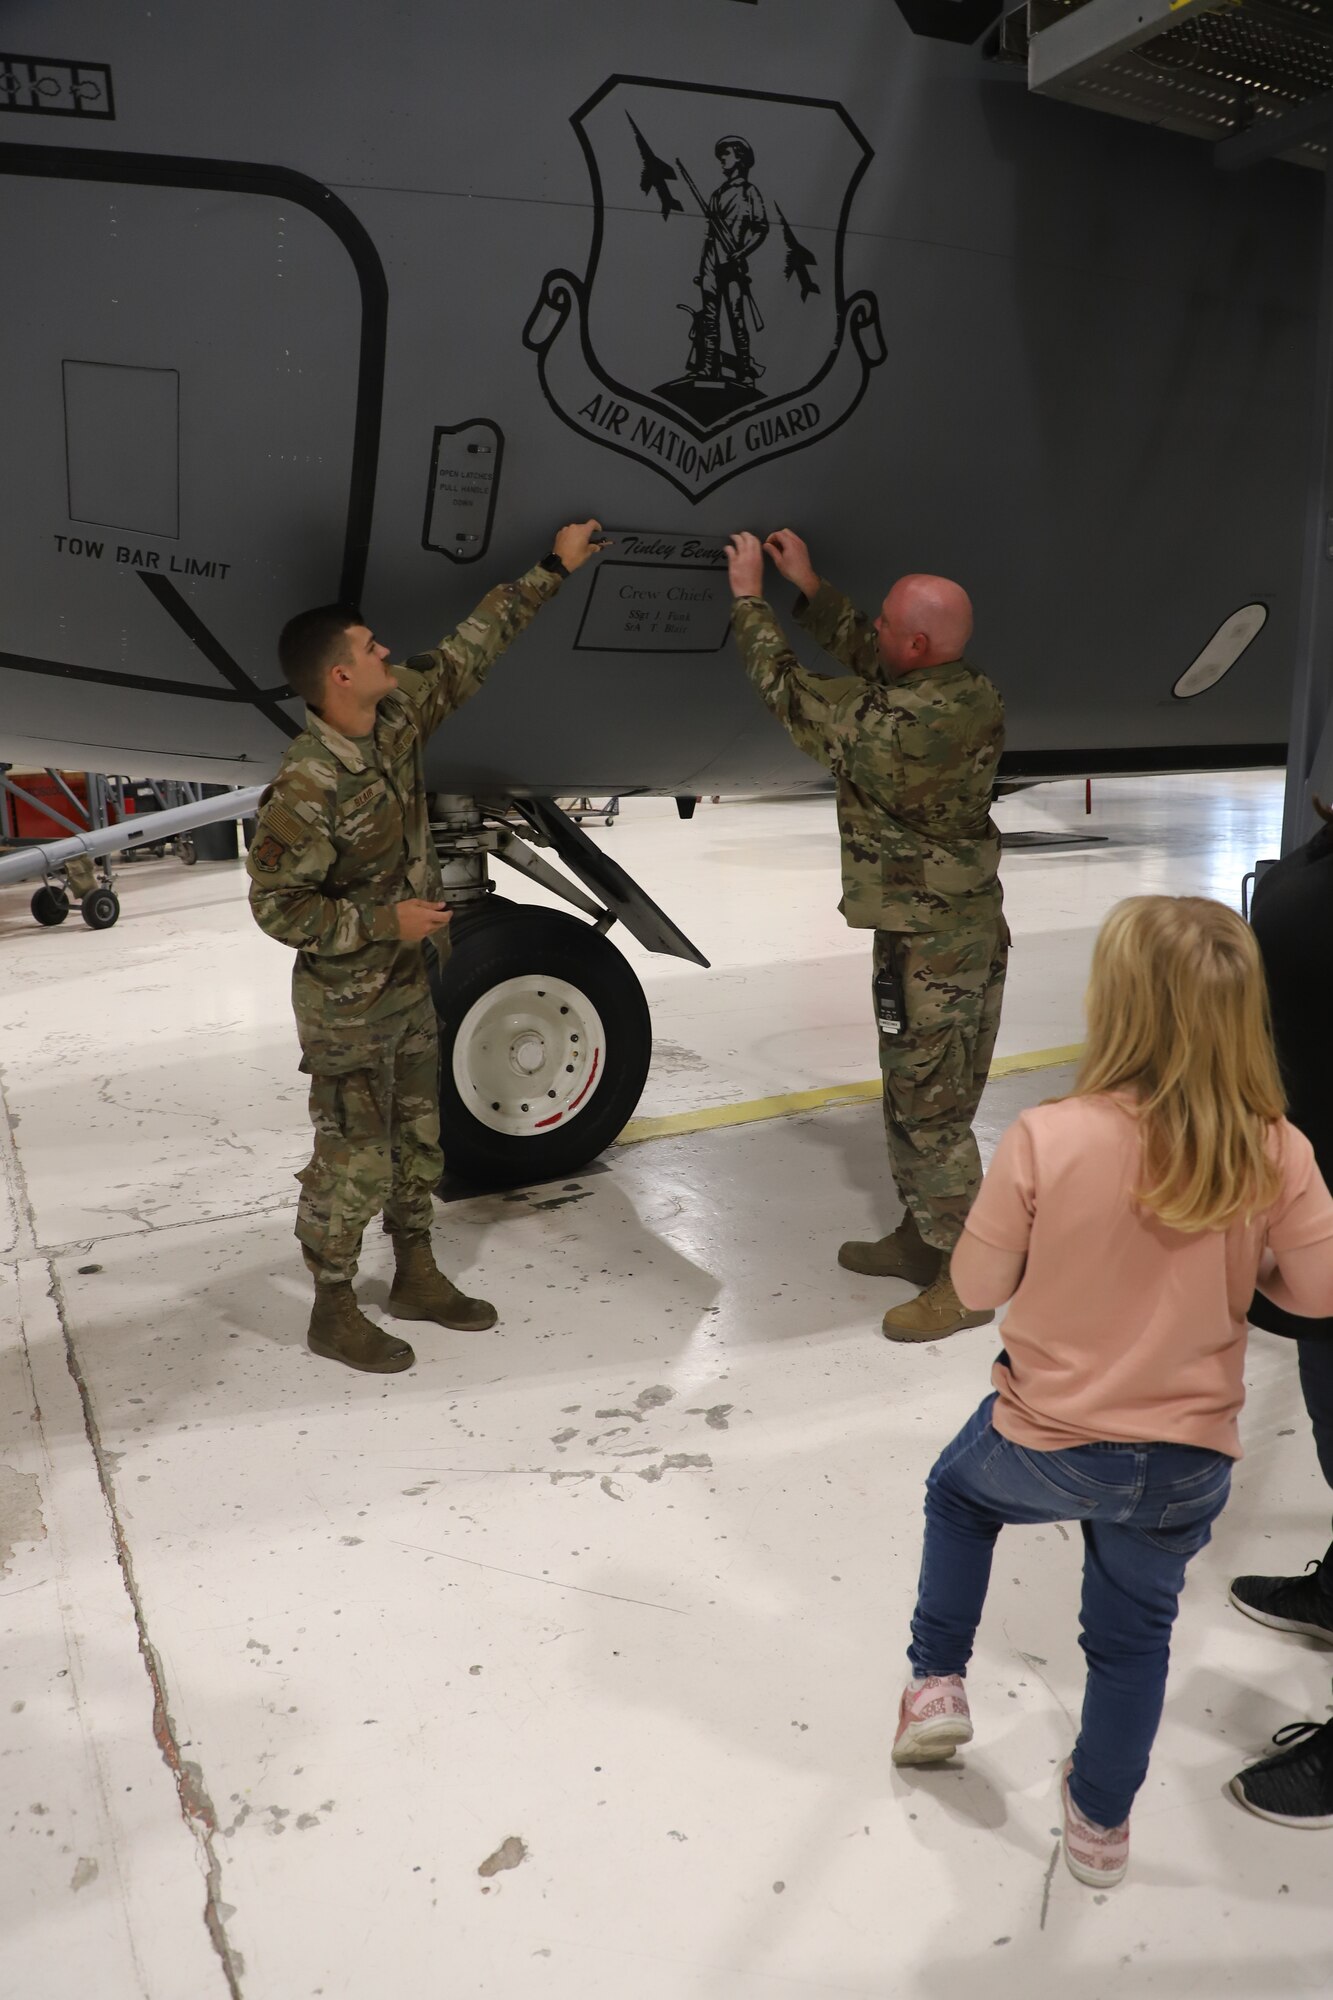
[56,87]
[464,485]
[711,330]
[658,593]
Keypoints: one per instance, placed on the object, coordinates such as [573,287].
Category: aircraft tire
[488,911]
[50,906]
[100,909]
[545,1041]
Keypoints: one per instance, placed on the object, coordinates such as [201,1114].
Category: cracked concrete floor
[565,1664]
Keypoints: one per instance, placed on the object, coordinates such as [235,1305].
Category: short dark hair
[309,644]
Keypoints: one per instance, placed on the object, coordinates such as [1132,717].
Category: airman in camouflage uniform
[913,738]
[343,868]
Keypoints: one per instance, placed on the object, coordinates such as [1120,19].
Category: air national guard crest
[711,330]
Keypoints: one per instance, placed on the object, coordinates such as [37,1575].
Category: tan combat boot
[340,1331]
[902,1255]
[932,1314]
[421,1291]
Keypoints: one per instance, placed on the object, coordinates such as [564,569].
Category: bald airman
[913,736]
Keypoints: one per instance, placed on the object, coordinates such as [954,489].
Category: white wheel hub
[529,1055]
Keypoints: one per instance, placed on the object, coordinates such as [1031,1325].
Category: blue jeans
[1145,1509]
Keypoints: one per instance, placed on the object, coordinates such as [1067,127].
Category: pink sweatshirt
[1121,1328]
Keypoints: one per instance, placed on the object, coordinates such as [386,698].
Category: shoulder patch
[267,852]
[289,830]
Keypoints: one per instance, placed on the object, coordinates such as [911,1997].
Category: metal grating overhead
[1211,72]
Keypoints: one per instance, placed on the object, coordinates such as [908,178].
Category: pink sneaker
[933,1720]
[1097,1855]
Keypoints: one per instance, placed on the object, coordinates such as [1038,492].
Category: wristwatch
[554,564]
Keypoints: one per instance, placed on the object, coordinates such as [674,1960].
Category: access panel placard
[657,593]
[464,486]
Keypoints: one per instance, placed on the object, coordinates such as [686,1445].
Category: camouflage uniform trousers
[935,1071]
[374,1104]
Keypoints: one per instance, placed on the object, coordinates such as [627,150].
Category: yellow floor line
[713,1116]
[1036,1059]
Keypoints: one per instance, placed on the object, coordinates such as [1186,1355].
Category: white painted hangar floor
[294,1663]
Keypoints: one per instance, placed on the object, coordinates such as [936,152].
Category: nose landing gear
[545,1041]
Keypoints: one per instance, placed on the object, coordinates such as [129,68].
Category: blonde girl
[1127,1224]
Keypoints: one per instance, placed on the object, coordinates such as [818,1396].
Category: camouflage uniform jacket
[339,843]
[914,759]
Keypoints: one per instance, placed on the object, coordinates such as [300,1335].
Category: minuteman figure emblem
[737,224]
[743,233]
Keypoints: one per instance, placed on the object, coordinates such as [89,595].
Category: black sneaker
[1290,1603]
[1294,1788]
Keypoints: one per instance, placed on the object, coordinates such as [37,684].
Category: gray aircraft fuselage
[309,302]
